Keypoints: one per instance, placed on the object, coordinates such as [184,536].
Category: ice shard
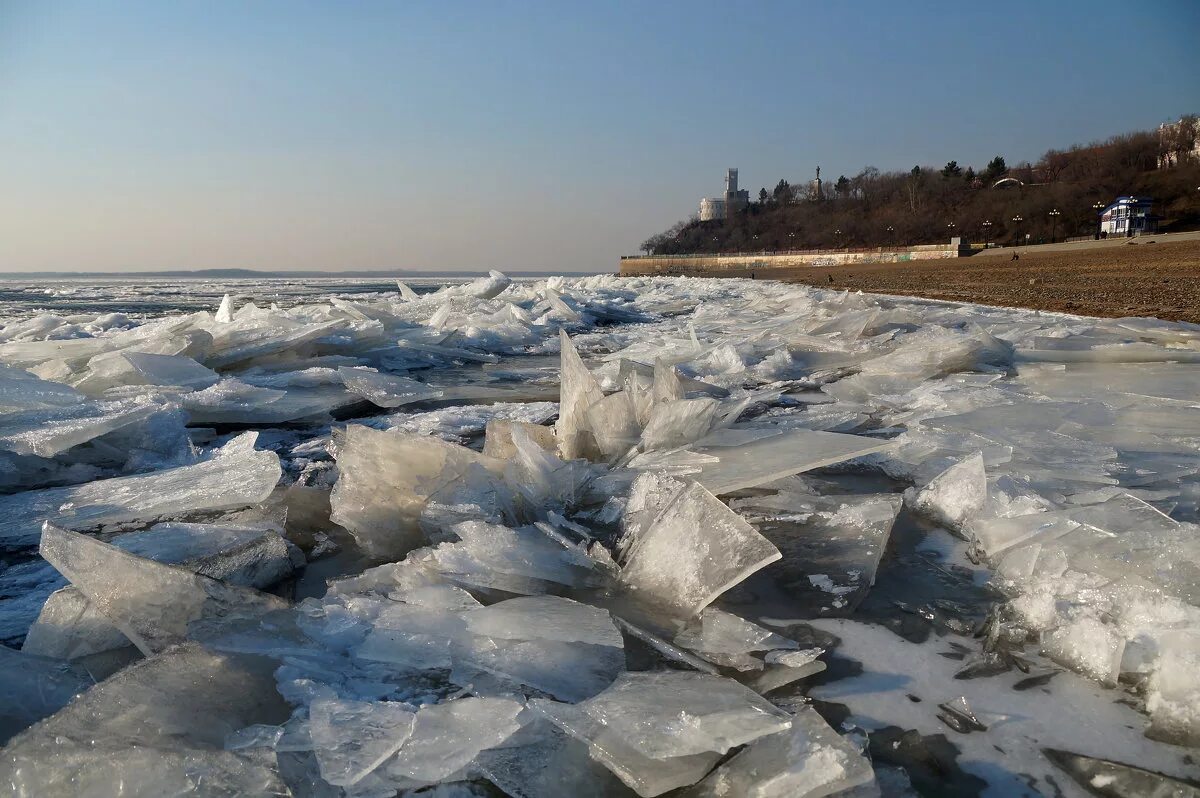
[498,437]
[668,714]
[386,390]
[20,390]
[415,637]
[647,776]
[542,761]
[113,370]
[155,728]
[679,422]
[237,476]
[447,737]
[47,433]
[831,545]
[569,650]
[614,424]
[353,738]
[550,617]
[727,640]
[694,550]
[955,495]
[521,561]
[578,392]
[70,626]
[488,287]
[154,605]
[33,687]
[806,761]
[224,314]
[385,480]
[782,455]
[1173,698]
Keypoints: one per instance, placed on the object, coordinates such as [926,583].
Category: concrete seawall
[721,265]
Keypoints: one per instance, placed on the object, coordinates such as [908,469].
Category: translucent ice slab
[447,737]
[237,476]
[32,688]
[156,728]
[384,481]
[70,626]
[767,459]
[694,550]
[415,637]
[386,390]
[808,760]
[567,649]
[120,369]
[541,761]
[154,605]
[668,714]
[726,639]
[1173,698]
[353,738]
[498,438]
[646,776]
[578,392]
[520,561]
[955,495]
[20,390]
[547,617]
[567,671]
[232,401]
[47,433]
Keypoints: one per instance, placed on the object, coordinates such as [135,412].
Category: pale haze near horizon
[537,136]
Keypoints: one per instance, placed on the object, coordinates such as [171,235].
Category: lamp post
[1016,222]
[987,232]
[891,231]
[838,233]
[791,240]
[754,242]
[950,227]
[1054,214]
[1098,207]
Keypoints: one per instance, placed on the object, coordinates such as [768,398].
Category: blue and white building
[1128,216]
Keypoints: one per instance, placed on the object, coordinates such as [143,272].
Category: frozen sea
[593,536]
[140,298]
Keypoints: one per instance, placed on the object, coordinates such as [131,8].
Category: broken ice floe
[186,701]
[552,599]
[235,476]
[70,626]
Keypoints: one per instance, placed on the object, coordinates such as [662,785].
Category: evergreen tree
[996,169]
[783,193]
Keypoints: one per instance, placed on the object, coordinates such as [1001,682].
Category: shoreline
[1159,280]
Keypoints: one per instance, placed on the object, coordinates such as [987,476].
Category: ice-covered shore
[600,536]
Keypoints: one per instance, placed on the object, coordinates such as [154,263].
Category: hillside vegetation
[928,205]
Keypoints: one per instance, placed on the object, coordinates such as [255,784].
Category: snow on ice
[596,537]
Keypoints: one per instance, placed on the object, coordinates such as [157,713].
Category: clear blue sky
[556,135]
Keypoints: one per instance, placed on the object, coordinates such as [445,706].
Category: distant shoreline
[250,274]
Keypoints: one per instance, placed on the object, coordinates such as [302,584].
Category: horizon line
[239,272]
